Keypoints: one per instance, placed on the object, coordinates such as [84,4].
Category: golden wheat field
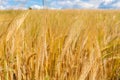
[60,45]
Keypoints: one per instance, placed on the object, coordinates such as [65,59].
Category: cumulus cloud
[16,8]
[104,4]
[107,1]
[65,2]
[36,7]
[86,5]
[3,2]
[2,8]
[117,5]
[75,4]
[21,0]
[41,7]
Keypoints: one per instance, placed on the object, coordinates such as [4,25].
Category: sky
[60,4]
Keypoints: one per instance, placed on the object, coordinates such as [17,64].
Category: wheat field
[60,45]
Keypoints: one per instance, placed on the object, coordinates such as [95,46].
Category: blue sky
[60,4]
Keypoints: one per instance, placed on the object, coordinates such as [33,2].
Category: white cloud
[21,0]
[94,4]
[12,7]
[116,5]
[85,5]
[107,1]
[65,2]
[2,8]
[16,8]
[3,2]
[41,7]
[36,7]
[78,3]
[52,8]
